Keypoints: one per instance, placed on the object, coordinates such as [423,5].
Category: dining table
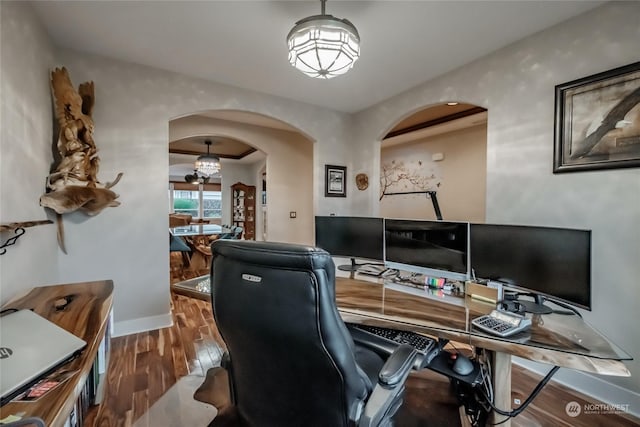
[199,230]
[199,237]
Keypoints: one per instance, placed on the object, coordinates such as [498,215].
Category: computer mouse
[462,365]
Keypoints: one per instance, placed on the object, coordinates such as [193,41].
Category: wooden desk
[562,340]
[86,316]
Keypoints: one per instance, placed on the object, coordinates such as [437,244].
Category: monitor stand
[350,267]
[536,306]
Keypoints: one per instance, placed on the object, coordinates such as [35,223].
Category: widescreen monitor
[434,248]
[550,262]
[352,237]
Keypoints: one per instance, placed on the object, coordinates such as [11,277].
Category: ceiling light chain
[323,46]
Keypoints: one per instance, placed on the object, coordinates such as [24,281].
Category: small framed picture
[335,181]
[598,121]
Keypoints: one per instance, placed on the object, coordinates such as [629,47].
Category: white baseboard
[589,385]
[143,324]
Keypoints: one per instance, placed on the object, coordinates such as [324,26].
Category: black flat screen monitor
[550,262]
[434,248]
[352,237]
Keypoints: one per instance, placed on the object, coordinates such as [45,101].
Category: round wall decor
[362,181]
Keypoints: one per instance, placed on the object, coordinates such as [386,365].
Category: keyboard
[426,347]
[502,323]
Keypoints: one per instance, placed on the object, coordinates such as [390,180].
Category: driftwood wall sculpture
[73,182]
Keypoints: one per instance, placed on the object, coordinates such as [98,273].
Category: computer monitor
[550,262]
[352,237]
[434,248]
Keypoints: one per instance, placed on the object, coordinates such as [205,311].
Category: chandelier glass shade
[207,164]
[323,46]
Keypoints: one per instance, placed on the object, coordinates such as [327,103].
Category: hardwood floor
[144,366]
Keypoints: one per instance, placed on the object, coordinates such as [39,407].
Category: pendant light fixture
[323,46]
[208,164]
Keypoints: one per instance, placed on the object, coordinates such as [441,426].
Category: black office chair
[290,359]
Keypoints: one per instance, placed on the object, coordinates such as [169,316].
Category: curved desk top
[562,340]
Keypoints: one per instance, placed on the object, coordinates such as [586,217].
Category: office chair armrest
[386,397]
[397,366]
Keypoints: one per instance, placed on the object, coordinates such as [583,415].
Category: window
[186,202]
[202,201]
[212,204]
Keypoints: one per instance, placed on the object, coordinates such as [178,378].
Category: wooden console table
[84,310]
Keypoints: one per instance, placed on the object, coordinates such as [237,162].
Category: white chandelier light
[323,46]
[208,164]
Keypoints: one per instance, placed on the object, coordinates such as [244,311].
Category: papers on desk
[45,385]
[372,270]
[438,294]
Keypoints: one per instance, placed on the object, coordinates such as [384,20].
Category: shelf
[19,229]
[243,208]
[15,225]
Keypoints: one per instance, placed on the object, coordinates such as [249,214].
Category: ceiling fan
[196,179]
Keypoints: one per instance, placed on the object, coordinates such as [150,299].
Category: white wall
[516,85]
[26,127]
[459,179]
[260,168]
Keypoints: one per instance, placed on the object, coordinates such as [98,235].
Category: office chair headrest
[273,254]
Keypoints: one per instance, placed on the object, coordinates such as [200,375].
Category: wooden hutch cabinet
[244,209]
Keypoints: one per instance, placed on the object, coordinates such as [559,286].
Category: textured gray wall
[516,84]
[26,126]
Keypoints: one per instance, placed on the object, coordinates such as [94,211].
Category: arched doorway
[439,150]
[249,145]
[280,151]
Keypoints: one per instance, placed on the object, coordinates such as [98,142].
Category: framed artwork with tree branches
[396,177]
[597,121]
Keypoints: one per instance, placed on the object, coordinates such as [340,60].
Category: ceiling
[228,148]
[229,42]
[242,43]
[183,152]
[433,116]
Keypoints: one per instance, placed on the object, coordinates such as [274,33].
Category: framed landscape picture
[597,121]
[335,182]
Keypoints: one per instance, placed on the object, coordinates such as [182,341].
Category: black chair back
[291,356]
